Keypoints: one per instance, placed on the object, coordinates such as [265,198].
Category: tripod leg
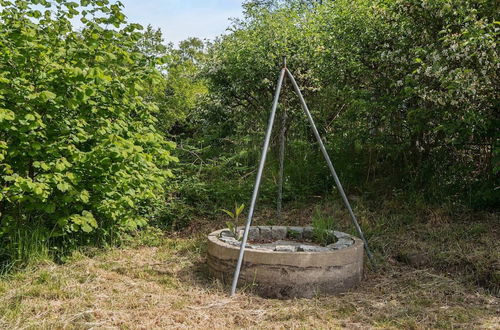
[330,166]
[281,161]
[257,181]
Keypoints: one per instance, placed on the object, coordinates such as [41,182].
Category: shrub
[80,158]
[404,93]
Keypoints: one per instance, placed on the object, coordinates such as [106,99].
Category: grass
[322,225]
[161,282]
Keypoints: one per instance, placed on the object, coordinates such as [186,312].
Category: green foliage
[178,92]
[323,226]
[178,95]
[80,157]
[403,92]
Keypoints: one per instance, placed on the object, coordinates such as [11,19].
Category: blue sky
[180,19]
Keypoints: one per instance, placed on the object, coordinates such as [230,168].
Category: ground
[160,281]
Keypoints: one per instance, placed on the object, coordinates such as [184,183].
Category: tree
[404,91]
[80,158]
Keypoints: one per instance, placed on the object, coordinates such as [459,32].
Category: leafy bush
[80,158]
[404,94]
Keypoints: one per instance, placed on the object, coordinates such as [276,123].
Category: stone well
[282,262]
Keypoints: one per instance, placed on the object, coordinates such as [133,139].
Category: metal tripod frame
[262,162]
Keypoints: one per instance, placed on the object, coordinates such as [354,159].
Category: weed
[323,226]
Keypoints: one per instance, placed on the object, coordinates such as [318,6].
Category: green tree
[404,92]
[80,157]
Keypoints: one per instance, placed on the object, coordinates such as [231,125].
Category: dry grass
[165,286]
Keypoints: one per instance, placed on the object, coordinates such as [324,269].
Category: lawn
[159,280]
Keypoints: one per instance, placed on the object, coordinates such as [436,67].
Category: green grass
[323,225]
[27,246]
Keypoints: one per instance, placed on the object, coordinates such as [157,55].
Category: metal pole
[257,181]
[330,165]
[281,152]
[281,161]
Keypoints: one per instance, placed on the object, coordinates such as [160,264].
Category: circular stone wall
[279,262]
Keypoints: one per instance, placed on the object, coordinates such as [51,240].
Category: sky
[180,19]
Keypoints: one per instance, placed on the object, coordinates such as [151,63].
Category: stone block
[311,248]
[336,246]
[279,232]
[340,234]
[345,241]
[294,232]
[264,248]
[266,233]
[285,248]
[342,243]
[253,234]
[230,240]
[307,233]
[226,233]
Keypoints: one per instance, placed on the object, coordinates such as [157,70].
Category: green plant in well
[233,225]
[323,226]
